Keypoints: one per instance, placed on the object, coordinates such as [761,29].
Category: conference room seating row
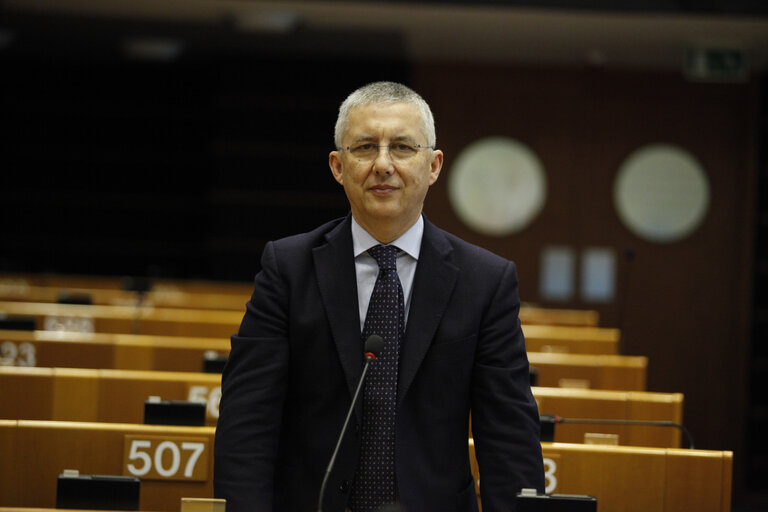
[200,295]
[176,462]
[172,353]
[201,323]
[76,394]
[20,284]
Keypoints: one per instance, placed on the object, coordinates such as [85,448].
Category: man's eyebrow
[369,138]
[365,138]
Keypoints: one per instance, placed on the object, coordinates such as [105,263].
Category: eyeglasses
[399,151]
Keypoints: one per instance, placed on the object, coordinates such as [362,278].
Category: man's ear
[435,165]
[334,162]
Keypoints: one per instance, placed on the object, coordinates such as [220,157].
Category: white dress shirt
[367,269]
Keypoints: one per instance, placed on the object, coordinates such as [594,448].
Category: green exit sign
[716,65]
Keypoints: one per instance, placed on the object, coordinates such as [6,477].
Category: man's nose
[383,163]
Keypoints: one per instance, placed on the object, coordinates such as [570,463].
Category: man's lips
[382,189]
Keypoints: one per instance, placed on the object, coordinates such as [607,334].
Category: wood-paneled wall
[684,304]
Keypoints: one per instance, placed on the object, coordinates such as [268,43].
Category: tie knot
[385,256]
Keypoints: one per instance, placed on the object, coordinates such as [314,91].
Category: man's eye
[404,147]
[364,147]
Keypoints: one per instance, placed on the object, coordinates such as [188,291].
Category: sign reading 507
[166,457]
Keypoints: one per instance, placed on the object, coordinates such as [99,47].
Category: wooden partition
[572,339]
[632,479]
[590,371]
[36,452]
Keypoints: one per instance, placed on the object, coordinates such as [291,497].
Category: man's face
[385,188]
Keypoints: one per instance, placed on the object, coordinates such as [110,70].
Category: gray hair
[382,93]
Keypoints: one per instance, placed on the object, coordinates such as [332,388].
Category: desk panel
[44,449]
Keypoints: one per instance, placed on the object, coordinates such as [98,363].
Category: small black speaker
[97,492]
[75,298]
[174,412]
[529,501]
[213,362]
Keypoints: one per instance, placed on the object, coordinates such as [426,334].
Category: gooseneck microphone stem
[373,346]
[660,423]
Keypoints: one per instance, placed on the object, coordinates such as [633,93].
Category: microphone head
[373,345]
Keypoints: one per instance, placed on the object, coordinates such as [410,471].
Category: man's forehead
[402,118]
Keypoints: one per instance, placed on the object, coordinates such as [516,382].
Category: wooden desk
[631,479]
[19,283]
[111,351]
[597,371]
[623,405]
[127,320]
[160,296]
[172,353]
[67,394]
[107,396]
[571,339]
[42,449]
[201,294]
[530,315]
[37,509]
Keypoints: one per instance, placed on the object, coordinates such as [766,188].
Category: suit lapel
[432,286]
[335,271]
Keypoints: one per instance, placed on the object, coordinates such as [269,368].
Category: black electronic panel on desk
[213,362]
[17,323]
[529,501]
[174,412]
[97,492]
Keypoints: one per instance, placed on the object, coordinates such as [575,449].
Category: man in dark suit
[454,346]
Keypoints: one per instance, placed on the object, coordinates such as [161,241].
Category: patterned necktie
[375,478]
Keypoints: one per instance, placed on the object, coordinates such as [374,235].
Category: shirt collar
[409,242]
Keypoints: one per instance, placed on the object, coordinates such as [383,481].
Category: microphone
[372,347]
[548,422]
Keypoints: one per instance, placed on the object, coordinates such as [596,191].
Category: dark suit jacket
[297,358]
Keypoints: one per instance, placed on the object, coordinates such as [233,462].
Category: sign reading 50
[166,458]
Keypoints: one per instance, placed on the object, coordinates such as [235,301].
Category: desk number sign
[550,472]
[166,457]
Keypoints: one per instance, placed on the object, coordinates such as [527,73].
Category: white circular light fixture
[661,193]
[497,186]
